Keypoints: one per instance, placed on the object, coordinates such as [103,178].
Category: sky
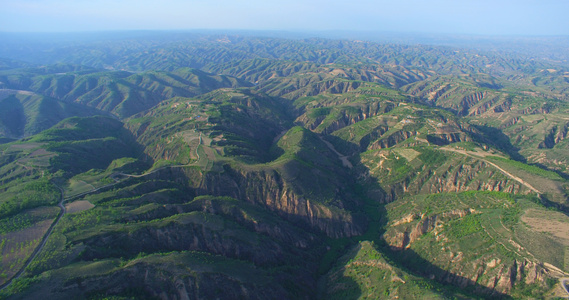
[479,17]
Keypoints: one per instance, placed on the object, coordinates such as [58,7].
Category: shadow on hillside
[5,140]
[334,284]
[412,262]
[496,137]
[548,203]
[559,172]
[12,114]
[330,257]
[373,195]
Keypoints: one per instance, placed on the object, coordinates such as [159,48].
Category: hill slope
[307,169]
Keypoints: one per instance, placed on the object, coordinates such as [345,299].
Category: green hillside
[235,167]
[25,113]
[118,92]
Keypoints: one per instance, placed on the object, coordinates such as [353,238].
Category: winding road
[342,157]
[524,183]
[564,281]
[48,233]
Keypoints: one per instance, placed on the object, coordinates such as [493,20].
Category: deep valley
[241,167]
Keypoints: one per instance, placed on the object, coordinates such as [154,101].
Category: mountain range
[201,166]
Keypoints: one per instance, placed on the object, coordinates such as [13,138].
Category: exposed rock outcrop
[493,275]
[402,240]
[553,136]
[460,177]
[468,101]
[392,139]
[346,117]
[271,190]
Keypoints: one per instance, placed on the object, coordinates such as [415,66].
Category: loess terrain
[236,167]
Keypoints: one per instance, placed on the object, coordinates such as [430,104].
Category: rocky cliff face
[392,139]
[345,117]
[456,174]
[493,274]
[470,100]
[448,138]
[248,216]
[253,219]
[271,190]
[403,238]
[476,176]
[554,135]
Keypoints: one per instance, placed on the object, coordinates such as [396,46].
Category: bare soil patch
[554,223]
[40,152]
[39,158]
[337,72]
[78,206]
[17,246]
[25,146]
[409,154]
[209,152]
[77,187]
[206,140]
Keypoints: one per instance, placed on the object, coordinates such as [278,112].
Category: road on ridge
[495,166]
[62,212]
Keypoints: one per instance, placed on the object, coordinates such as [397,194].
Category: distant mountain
[12,64]
[24,113]
[117,92]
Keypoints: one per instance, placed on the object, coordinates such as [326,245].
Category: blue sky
[497,17]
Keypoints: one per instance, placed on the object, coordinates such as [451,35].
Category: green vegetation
[528,168]
[33,194]
[365,273]
[465,226]
[493,231]
[15,223]
[431,157]
[242,167]
[83,144]
[18,286]
[120,93]
[24,113]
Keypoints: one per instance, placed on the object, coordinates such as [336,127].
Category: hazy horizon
[483,17]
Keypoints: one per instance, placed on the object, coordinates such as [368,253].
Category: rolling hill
[209,166]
